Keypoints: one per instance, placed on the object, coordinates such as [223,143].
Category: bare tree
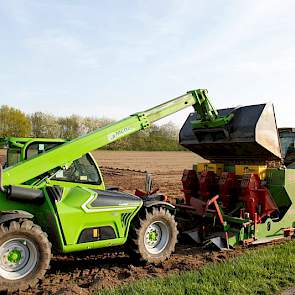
[44,125]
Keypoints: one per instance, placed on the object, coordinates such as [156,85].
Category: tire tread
[28,228]
[135,242]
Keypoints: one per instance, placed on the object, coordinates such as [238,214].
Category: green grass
[263,271]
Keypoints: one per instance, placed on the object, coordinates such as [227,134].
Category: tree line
[14,122]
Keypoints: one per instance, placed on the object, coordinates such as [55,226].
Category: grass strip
[263,271]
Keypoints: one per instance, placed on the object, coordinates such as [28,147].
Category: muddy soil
[89,272]
[127,169]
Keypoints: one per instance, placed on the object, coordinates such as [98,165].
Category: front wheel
[155,236]
[25,254]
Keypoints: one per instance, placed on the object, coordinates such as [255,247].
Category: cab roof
[7,142]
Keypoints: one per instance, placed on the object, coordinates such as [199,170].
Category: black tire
[161,222]
[23,237]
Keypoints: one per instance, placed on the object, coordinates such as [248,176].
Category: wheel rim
[156,237]
[18,257]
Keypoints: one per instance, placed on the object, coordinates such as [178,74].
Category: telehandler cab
[53,198]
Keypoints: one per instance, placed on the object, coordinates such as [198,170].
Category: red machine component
[228,188]
[190,184]
[208,186]
[256,198]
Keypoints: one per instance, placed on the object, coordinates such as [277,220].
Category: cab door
[90,216]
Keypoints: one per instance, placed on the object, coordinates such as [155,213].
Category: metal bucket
[251,136]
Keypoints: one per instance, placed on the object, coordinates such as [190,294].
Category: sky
[109,58]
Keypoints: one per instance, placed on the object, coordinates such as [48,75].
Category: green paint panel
[75,215]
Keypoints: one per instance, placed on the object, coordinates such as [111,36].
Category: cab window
[36,148]
[13,156]
[3,157]
[82,170]
[287,142]
[288,146]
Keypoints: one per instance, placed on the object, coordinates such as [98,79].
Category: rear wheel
[25,254]
[155,236]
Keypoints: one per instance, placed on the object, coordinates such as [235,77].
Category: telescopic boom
[72,150]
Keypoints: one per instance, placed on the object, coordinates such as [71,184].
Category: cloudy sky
[112,58]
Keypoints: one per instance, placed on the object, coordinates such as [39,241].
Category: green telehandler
[53,198]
